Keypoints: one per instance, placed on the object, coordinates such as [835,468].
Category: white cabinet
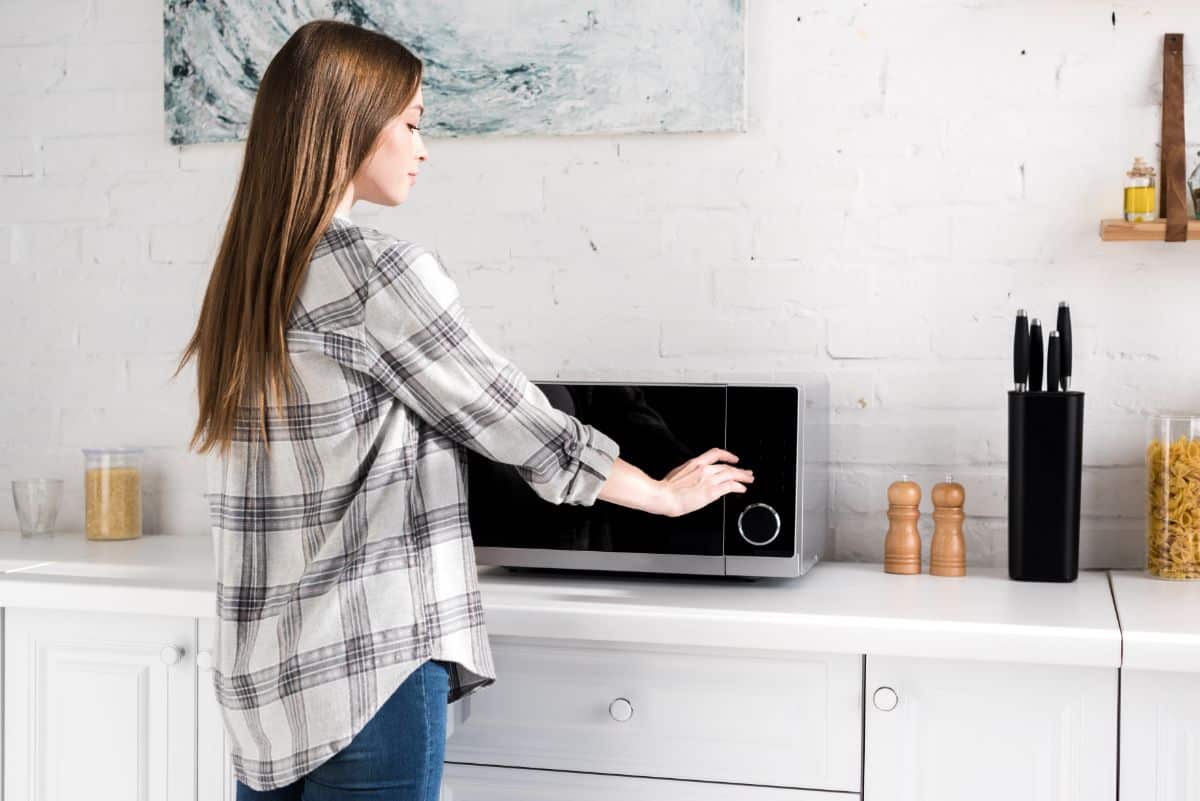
[939,730]
[1160,735]
[214,772]
[98,706]
[483,783]
[97,709]
[1160,687]
[120,705]
[751,717]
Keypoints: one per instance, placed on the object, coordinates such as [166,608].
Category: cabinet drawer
[482,783]
[790,720]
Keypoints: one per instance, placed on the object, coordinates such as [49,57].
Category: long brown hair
[321,105]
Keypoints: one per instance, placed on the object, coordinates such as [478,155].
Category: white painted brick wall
[912,173]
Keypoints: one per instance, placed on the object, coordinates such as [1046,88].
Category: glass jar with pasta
[1173,496]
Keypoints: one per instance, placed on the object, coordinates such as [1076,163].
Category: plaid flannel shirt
[344,556]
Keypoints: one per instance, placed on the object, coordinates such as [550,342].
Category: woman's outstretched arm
[694,484]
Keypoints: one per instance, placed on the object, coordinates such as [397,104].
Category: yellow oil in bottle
[1139,201]
[1140,192]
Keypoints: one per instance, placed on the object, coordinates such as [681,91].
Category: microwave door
[657,428]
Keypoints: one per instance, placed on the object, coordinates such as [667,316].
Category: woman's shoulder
[381,245]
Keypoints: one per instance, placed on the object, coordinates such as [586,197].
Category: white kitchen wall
[913,171]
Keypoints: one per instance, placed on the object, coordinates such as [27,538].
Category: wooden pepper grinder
[948,551]
[902,547]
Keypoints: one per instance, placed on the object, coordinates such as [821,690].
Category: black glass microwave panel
[762,431]
[657,429]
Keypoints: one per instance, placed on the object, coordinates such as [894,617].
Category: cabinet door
[214,772]
[99,706]
[939,730]
[1160,735]
[484,783]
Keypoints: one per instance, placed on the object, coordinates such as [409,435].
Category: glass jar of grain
[112,485]
[1173,496]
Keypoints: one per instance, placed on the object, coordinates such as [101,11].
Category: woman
[339,382]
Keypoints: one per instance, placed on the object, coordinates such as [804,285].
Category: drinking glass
[37,500]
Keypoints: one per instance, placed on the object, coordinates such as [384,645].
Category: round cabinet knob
[170,654]
[204,660]
[758,524]
[620,710]
[885,699]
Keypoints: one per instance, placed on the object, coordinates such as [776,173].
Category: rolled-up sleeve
[422,348]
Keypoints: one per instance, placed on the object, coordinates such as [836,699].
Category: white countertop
[1160,619]
[165,575]
[837,607]
[840,607]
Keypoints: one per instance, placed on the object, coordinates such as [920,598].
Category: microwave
[777,528]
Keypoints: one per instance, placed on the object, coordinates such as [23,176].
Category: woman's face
[388,173]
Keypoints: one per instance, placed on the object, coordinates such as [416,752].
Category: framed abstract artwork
[502,67]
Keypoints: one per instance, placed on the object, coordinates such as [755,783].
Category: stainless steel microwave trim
[745,566]
[764,566]
[602,560]
[812,471]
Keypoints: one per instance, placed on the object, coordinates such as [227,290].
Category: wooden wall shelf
[1118,230]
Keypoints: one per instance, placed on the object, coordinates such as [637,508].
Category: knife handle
[1053,362]
[1035,355]
[1064,340]
[1021,351]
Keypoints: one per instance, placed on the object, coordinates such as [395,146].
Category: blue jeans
[397,756]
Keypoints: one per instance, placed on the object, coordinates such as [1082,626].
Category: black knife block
[1045,470]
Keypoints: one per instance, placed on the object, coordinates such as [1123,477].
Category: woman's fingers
[708,463]
[715,454]
[717,491]
[719,473]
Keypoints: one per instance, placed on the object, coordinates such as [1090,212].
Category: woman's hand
[701,480]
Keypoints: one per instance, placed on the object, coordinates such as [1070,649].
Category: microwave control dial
[759,524]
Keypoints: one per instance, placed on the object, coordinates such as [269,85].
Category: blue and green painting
[500,67]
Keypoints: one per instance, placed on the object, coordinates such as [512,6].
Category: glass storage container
[112,485]
[1173,496]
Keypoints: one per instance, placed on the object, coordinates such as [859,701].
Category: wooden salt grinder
[948,551]
[902,547]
